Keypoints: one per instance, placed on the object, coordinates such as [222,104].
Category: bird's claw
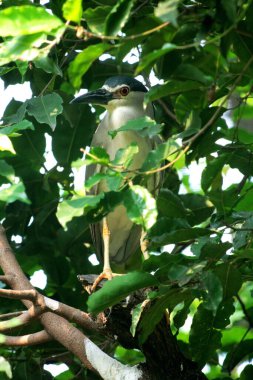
[106,274]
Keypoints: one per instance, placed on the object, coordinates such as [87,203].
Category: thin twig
[22,319]
[247,315]
[12,315]
[40,337]
[87,34]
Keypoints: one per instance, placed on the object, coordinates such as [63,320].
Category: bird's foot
[107,274]
[91,282]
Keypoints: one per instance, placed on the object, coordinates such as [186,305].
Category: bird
[116,238]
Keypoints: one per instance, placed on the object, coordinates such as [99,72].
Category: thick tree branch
[57,327]
[5,279]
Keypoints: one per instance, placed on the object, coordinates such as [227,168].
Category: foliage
[200,236]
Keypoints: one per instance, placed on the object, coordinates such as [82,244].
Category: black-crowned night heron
[116,238]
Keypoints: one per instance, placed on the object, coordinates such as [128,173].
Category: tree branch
[5,279]
[12,315]
[19,294]
[57,327]
[22,319]
[25,340]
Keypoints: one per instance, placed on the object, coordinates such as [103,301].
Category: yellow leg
[106,239]
[144,243]
[107,272]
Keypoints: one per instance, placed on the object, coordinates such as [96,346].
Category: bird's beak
[100,96]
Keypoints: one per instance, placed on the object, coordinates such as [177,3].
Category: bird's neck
[118,116]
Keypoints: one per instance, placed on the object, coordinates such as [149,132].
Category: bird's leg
[107,272]
[106,239]
[144,243]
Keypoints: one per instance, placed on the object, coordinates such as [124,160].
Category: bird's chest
[113,121]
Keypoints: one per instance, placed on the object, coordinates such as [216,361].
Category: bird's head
[117,90]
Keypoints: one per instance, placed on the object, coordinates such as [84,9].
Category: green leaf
[199,208]
[171,87]
[24,48]
[230,9]
[124,157]
[214,251]
[247,373]
[118,289]
[224,311]
[45,108]
[26,19]
[170,205]
[154,314]
[230,278]
[162,152]
[6,171]
[95,179]
[145,126]
[48,65]
[204,338]
[181,316]
[15,128]
[140,206]
[4,364]
[233,358]
[136,316]
[12,193]
[212,170]
[151,57]
[95,18]
[118,17]
[97,155]
[187,71]
[76,206]
[172,230]
[214,291]
[83,61]
[167,11]
[72,10]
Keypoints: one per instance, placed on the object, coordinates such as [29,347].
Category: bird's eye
[124,91]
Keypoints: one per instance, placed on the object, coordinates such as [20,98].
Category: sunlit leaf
[124,157]
[76,206]
[6,170]
[140,206]
[167,11]
[72,10]
[26,19]
[13,193]
[24,48]
[6,144]
[145,126]
[5,365]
